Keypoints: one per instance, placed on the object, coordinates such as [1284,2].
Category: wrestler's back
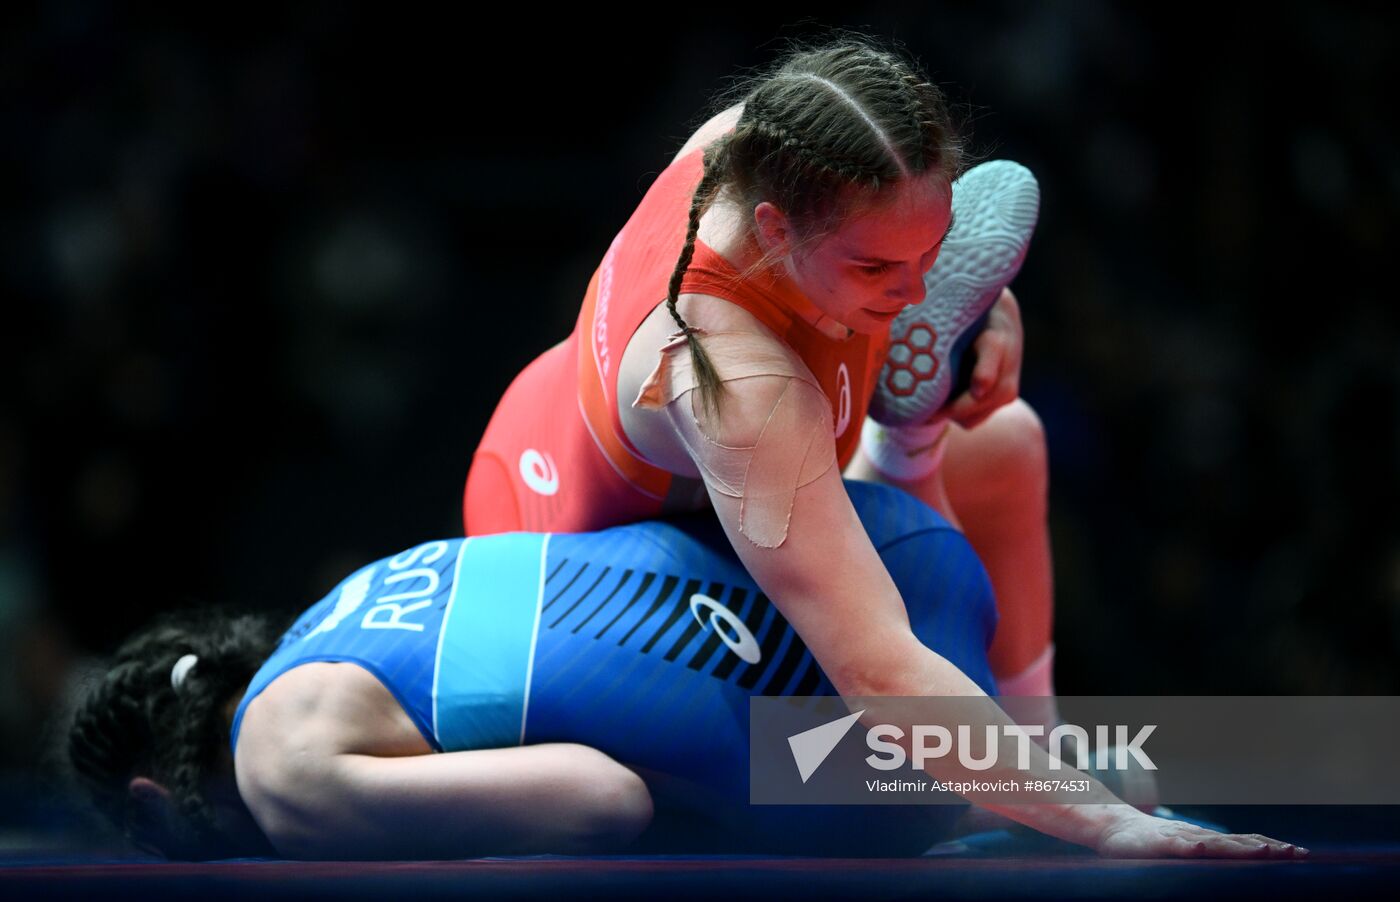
[327,743]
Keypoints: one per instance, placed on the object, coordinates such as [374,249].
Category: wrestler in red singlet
[554,456]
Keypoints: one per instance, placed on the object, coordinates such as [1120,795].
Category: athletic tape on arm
[795,444]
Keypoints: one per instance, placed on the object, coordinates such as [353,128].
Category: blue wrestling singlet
[644,641]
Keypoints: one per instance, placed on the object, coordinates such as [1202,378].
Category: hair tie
[181,670]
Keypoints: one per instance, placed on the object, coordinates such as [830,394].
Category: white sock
[906,453]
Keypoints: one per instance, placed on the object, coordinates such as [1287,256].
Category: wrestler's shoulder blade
[303,719]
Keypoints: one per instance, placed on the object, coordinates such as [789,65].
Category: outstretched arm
[827,579]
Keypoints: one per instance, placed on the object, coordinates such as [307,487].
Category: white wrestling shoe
[995,206]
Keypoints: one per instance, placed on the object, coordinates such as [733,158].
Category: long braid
[711,388]
[197,735]
[109,735]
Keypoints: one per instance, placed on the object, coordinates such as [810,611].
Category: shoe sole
[995,206]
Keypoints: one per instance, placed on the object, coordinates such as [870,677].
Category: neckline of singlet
[782,295]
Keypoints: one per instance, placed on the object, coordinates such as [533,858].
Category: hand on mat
[996,378]
[1146,836]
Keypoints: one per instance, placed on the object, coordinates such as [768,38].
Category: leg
[996,476]
[997,479]
[992,484]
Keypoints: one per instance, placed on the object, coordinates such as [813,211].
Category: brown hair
[134,723]
[822,132]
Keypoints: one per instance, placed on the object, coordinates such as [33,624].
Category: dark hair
[822,132]
[133,722]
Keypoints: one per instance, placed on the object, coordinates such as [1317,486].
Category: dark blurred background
[265,276]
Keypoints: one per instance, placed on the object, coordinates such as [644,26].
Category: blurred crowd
[264,281]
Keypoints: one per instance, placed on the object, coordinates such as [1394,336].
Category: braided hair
[135,722]
[822,132]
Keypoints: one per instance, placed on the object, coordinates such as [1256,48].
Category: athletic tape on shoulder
[794,448]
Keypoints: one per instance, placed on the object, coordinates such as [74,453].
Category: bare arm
[830,584]
[329,765]
[551,797]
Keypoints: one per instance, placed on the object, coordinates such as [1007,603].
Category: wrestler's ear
[152,804]
[774,229]
[147,792]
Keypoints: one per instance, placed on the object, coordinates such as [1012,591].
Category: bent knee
[1022,435]
[1006,455]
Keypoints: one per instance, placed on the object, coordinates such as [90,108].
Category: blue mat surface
[1355,854]
[1337,872]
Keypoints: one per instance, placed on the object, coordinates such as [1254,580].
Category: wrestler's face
[873,265]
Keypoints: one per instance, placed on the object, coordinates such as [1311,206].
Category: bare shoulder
[297,731]
[767,384]
[712,129]
[320,709]
[730,333]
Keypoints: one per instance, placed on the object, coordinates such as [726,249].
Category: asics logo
[843,400]
[539,472]
[745,646]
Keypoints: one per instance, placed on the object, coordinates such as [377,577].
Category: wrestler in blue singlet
[644,641]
